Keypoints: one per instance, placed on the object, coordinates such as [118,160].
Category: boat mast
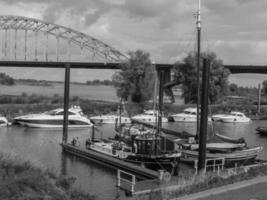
[198,23]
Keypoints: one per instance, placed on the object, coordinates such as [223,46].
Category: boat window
[187,112]
[62,113]
[51,112]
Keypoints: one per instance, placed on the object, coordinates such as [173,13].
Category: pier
[88,154]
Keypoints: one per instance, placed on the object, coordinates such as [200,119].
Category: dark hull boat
[262,130]
[233,154]
[145,150]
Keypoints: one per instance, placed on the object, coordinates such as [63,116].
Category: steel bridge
[27,42]
[27,39]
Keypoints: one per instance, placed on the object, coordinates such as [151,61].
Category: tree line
[136,79]
[99,82]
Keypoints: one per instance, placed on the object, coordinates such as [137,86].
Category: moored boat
[239,157]
[262,130]
[3,121]
[188,115]
[233,154]
[230,139]
[149,116]
[233,116]
[145,150]
[54,119]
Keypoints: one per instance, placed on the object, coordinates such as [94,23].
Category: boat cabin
[147,145]
[238,114]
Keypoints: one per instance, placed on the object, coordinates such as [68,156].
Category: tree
[186,73]
[6,80]
[264,86]
[135,80]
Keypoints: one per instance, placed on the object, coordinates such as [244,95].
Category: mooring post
[66,103]
[204,116]
[93,133]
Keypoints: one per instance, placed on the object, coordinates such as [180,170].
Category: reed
[23,180]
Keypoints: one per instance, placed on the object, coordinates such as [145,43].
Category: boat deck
[182,134]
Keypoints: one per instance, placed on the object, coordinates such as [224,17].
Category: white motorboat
[3,121]
[232,117]
[54,119]
[110,119]
[149,116]
[188,115]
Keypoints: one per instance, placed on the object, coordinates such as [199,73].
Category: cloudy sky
[234,29]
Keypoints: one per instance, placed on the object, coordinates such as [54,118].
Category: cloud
[164,28]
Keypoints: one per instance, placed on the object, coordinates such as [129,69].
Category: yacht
[3,121]
[54,119]
[110,119]
[149,116]
[188,115]
[232,117]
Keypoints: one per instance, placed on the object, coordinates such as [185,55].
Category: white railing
[129,182]
[213,163]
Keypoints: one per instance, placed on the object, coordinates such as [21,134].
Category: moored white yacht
[188,115]
[3,121]
[149,116]
[232,117]
[54,119]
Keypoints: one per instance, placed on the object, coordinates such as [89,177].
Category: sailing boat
[192,150]
[145,148]
[151,116]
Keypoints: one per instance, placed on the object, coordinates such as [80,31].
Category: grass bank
[21,180]
[189,183]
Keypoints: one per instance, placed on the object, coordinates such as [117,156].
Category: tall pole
[66,103]
[259,98]
[198,65]
[161,76]
[204,116]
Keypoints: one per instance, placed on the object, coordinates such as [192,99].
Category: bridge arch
[30,28]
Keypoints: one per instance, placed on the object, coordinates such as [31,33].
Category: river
[42,148]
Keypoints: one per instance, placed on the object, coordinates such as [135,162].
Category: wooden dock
[141,172]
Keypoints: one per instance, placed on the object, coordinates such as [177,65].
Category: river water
[42,148]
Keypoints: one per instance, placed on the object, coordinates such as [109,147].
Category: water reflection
[42,147]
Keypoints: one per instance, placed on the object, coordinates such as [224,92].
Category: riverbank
[22,180]
[187,186]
